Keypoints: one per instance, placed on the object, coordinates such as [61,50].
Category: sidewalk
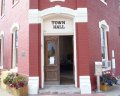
[4,93]
[114,92]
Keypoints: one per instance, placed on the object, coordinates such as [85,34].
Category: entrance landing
[59,89]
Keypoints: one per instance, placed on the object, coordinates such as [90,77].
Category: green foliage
[108,79]
[15,80]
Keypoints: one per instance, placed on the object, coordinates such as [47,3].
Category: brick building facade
[41,38]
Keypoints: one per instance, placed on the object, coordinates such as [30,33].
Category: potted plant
[107,81]
[16,84]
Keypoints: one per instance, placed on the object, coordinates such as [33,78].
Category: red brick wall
[81,28]
[43,4]
[34,49]
[16,14]
[82,50]
[33,4]
[88,35]
[96,14]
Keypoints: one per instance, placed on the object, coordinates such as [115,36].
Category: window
[2,7]
[14,30]
[104,31]
[104,48]
[15,48]
[1,49]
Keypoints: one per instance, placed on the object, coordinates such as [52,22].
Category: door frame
[74,51]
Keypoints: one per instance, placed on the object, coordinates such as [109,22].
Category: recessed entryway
[66,60]
[55,27]
[59,67]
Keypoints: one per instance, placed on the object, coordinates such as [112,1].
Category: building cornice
[80,15]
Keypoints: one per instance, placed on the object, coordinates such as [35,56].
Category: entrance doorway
[59,67]
[66,60]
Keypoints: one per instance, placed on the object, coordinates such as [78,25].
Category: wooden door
[52,70]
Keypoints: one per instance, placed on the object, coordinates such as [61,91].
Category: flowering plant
[15,80]
[108,79]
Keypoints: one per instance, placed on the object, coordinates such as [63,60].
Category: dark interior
[66,60]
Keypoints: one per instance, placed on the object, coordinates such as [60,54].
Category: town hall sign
[58,24]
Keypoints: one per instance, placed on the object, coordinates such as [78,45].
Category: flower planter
[105,87]
[16,84]
[23,91]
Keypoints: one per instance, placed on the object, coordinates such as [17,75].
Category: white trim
[1,67]
[57,0]
[33,85]
[81,15]
[57,10]
[85,82]
[14,27]
[103,1]
[113,60]
[68,26]
[106,44]
[35,16]
[14,52]
[16,2]
[42,51]
[113,53]
[2,49]
[104,24]
[42,56]
[60,34]
[2,33]
[15,69]
[75,55]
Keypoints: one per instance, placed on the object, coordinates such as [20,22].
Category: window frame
[103,25]
[2,50]
[105,43]
[15,49]
[2,13]
[15,27]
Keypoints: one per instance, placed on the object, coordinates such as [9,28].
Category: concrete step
[59,89]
